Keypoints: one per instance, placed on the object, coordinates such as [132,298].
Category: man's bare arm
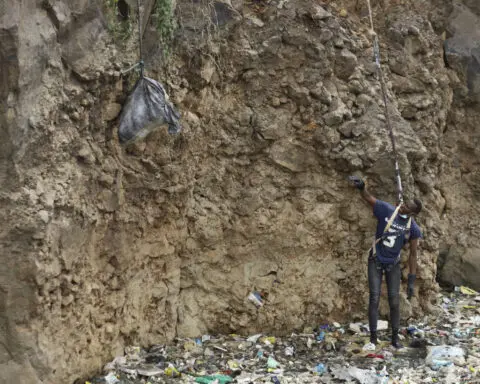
[370,199]
[412,260]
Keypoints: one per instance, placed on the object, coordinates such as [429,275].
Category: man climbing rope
[395,228]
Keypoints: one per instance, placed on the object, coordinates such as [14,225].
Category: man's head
[411,208]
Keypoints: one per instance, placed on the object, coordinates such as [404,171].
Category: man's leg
[393,276]
[374,285]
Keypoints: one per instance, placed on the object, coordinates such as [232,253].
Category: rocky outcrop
[460,266]
[462,50]
[460,177]
[104,245]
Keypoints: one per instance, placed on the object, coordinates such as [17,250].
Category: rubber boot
[395,339]
[373,337]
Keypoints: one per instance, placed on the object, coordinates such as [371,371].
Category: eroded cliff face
[104,245]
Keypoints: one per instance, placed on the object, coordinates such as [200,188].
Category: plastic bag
[444,355]
[221,379]
[146,109]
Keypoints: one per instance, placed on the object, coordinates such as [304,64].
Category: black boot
[395,339]
[373,337]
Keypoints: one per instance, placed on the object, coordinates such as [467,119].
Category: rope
[140,39]
[376,52]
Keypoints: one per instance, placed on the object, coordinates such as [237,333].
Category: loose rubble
[442,348]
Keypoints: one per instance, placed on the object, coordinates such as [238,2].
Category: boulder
[345,64]
[460,266]
[462,50]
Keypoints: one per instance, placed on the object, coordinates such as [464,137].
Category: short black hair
[418,205]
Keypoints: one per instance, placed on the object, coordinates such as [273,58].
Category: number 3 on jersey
[390,240]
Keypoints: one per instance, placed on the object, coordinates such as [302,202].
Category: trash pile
[443,348]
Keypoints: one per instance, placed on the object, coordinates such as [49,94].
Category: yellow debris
[172,372]
[268,340]
[467,291]
[343,12]
[189,345]
[232,364]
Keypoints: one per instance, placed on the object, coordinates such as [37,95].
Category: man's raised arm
[358,183]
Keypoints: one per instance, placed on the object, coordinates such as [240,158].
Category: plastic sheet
[146,109]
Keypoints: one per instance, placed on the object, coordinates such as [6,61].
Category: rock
[325,35]
[346,129]
[358,129]
[294,39]
[345,64]
[420,101]
[80,52]
[67,300]
[207,71]
[473,5]
[334,117]
[44,216]
[290,156]
[276,101]
[111,111]
[106,179]
[108,201]
[338,42]
[315,51]
[461,266]
[255,21]
[62,15]
[273,123]
[317,12]
[363,100]
[299,94]
[85,153]
[321,93]
[462,50]
[355,327]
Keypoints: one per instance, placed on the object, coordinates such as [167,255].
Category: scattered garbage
[441,348]
[382,325]
[321,336]
[467,291]
[254,338]
[364,376]
[172,371]
[220,379]
[289,351]
[369,347]
[272,363]
[444,355]
[256,299]
[320,369]
[111,378]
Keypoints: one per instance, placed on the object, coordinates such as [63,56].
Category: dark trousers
[392,276]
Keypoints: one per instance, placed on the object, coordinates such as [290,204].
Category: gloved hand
[357,182]
[411,281]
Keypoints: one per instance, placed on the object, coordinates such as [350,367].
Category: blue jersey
[388,249]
